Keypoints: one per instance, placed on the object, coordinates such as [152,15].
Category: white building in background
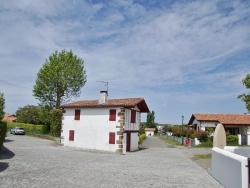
[149,131]
[235,124]
[108,125]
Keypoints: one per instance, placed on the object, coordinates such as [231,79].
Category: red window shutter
[112,115]
[133,116]
[77,114]
[111,138]
[71,135]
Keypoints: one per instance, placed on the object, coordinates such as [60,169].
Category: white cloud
[174,56]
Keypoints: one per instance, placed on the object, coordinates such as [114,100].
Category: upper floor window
[112,115]
[77,114]
[133,116]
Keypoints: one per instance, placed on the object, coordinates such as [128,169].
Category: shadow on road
[6,153]
[8,140]
[3,166]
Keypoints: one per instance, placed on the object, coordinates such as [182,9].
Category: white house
[236,124]
[108,125]
[149,131]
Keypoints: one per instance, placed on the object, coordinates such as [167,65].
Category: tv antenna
[106,84]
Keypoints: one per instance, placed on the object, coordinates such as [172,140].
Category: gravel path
[34,162]
[154,142]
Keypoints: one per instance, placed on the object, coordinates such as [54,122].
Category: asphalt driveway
[33,162]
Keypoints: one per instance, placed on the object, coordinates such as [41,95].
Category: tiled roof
[226,119]
[126,103]
[9,117]
[149,129]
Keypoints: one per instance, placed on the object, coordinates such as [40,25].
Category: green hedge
[29,128]
[55,120]
[142,137]
[3,130]
[232,140]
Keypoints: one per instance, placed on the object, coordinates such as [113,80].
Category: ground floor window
[71,135]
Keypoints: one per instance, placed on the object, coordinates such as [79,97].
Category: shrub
[232,140]
[208,144]
[142,137]
[56,121]
[3,130]
[202,136]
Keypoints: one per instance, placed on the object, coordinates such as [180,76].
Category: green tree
[246,97]
[60,78]
[2,104]
[29,114]
[151,120]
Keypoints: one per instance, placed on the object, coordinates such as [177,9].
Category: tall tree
[2,104]
[151,120]
[246,97]
[60,78]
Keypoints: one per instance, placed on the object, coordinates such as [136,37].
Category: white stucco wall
[202,125]
[128,124]
[92,130]
[134,142]
[149,133]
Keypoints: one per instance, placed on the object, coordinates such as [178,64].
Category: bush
[3,130]
[232,140]
[142,137]
[46,129]
[208,144]
[56,121]
[202,136]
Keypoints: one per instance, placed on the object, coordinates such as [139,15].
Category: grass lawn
[170,142]
[202,156]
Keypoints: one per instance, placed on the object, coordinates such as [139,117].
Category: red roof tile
[226,119]
[127,103]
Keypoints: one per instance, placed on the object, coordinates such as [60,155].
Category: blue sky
[183,57]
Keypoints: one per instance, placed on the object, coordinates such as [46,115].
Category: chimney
[103,98]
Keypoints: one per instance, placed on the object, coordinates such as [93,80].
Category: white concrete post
[239,139]
[248,139]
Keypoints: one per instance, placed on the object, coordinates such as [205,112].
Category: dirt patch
[191,152]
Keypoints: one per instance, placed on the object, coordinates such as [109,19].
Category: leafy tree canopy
[60,78]
[2,103]
[151,120]
[246,97]
[29,114]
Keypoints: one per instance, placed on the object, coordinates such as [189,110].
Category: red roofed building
[109,125]
[9,118]
[234,123]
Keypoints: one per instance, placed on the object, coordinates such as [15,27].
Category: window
[112,115]
[77,114]
[133,116]
[111,138]
[71,135]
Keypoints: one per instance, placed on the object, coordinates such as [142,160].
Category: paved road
[34,162]
[154,142]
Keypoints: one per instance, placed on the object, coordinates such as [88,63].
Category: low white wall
[229,168]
